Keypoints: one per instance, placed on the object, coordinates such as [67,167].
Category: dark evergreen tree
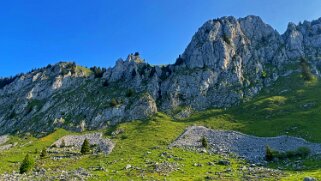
[268,153]
[306,72]
[98,72]
[113,102]
[27,164]
[43,153]
[85,148]
[204,142]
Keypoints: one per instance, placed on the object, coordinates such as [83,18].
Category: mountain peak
[228,60]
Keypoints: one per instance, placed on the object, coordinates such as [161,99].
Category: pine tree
[27,164]
[204,142]
[85,148]
[43,153]
[306,71]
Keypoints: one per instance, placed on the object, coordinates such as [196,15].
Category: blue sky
[34,33]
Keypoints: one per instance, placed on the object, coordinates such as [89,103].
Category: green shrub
[85,148]
[204,142]
[27,164]
[43,153]
[179,60]
[7,81]
[62,144]
[98,72]
[113,102]
[106,83]
[93,146]
[123,137]
[268,153]
[129,92]
[12,115]
[264,74]
[226,39]
[306,72]
[303,151]
[300,152]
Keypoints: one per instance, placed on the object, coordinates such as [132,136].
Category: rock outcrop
[228,61]
[76,141]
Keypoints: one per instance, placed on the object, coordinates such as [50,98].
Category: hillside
[143,144]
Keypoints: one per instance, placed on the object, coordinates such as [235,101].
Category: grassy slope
[276,111]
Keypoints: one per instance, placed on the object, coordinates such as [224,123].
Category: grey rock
[105,145]
[251,148]
[228,61]
[309,179]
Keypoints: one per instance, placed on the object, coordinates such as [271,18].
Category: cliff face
[228,60]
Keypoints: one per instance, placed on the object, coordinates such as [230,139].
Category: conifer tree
[27,164]
[268,154]
[204,142]
[85,148]
[43,153]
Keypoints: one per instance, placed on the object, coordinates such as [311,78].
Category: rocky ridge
[228,61]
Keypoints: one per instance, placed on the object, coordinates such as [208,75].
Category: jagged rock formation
[67,96]
[228,60]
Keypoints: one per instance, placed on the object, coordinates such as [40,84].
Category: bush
[264,74]
[85,148]
[8,80]
[306,72]
[179,60]
[204,142]
[134,73]
[27,164]
[123,137]
[105,83]
[303,151]
[136,54]
[98,72]
[300,152]
[226,39]
[43,153]
[268,153]
[113,102]
[12,115]
[129,92]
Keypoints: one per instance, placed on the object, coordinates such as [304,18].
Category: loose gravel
[251,148]
[105,145]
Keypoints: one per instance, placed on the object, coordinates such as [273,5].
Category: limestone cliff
[228,61]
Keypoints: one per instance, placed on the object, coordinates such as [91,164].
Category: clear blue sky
[34,33]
